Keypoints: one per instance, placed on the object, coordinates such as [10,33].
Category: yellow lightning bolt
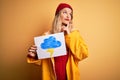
[51,51]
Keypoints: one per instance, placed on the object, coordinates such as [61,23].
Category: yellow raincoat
[77,52]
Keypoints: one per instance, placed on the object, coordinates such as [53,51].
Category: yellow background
[97,20]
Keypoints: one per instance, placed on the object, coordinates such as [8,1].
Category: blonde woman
[62,67]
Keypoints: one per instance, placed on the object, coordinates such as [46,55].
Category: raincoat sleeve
[76,45]
[32,60]
[36,60]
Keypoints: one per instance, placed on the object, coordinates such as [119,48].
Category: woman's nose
[68,16]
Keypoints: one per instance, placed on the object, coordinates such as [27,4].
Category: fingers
[66,30]
[31,54]
[33,49]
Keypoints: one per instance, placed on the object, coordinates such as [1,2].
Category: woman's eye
[64,12]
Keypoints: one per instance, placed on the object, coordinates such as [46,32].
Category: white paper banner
[52,45]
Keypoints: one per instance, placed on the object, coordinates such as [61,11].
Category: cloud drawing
[50,42]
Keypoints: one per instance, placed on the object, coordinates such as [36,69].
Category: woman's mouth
[67,19]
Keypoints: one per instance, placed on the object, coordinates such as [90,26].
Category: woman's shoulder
[75,30]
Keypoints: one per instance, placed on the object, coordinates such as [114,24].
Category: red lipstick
[67,19]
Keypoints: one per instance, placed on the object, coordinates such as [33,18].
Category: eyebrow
[67,11]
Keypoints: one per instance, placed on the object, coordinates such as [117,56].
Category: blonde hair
[56,25]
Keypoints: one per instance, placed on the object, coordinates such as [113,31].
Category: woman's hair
[56,25]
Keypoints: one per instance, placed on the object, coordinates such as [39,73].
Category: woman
[62,67]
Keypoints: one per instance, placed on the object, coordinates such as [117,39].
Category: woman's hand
[32,51]
[65,28]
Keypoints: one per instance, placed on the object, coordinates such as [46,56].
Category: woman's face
[66,16]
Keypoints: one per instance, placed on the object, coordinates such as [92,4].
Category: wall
[97,20]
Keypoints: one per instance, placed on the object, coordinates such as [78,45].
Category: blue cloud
[50,42]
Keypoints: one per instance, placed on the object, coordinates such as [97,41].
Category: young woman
[62,67]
